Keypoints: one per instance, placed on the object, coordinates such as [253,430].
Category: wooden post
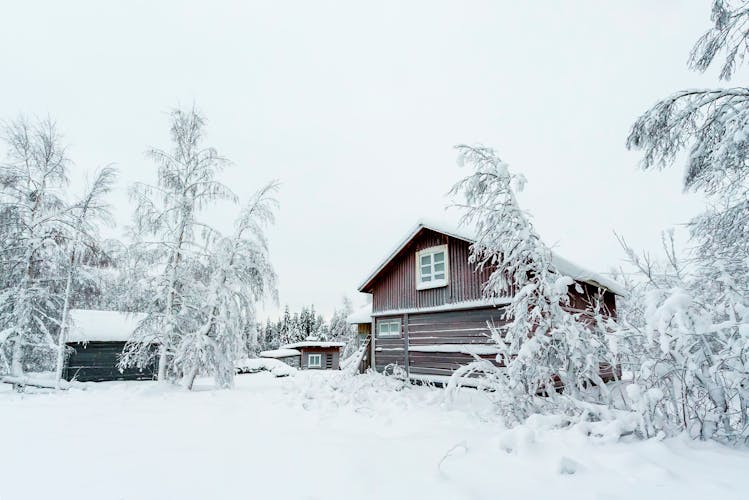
[405,344]
[372,345]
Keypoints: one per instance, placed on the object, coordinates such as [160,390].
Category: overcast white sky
[355,108]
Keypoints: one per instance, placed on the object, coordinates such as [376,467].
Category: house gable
[394,286]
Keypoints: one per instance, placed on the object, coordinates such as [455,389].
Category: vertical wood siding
[396,286]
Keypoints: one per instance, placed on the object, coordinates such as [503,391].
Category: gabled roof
[312,343]
[563,265]
[102,326]
[280,353]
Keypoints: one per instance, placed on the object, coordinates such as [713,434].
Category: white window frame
[317,356]
[432,283]
[390,322]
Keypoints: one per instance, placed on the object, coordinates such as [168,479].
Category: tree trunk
[61,339]
[189,380]
[162,362]
[16,366]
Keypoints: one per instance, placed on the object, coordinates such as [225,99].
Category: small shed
[291,357]
[317,355]
[95,341]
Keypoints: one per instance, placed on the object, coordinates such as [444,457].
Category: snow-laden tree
[83,219]
[545,346]
[34,229]
[340,329]
[239,275]
[711,127]
[169,233]
[694,311]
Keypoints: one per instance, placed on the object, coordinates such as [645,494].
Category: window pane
[426,260]
[439,257]
[426,278]
[426,270]
[439,276]
[439,267]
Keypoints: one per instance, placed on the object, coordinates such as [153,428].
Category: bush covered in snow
[254,365]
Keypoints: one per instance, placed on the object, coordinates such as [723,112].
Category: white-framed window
[431,267]
[389,328]
[314,360]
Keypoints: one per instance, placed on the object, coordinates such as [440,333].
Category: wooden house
[95,341]
[309,354]
[429,315]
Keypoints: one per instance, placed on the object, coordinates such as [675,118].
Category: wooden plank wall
[428,329]
[470,327]
[97,362]
[389,351]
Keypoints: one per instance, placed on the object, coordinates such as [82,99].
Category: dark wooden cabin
[95,341]
[429,315]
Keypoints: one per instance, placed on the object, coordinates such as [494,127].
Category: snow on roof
[563,265]
[312,343]
[102,326]
[280,353]
[574,271]
[361,315]
[451,306]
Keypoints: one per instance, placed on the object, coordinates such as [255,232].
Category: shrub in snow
[274,366]
[684,338]
[687,334]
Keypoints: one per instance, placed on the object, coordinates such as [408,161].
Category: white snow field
[325,435]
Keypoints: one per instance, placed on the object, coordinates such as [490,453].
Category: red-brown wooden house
[429,315]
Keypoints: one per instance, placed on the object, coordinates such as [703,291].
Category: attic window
[431,267]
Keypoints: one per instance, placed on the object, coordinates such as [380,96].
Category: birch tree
[84,217]
[167,228]
[32,185]
[241,274]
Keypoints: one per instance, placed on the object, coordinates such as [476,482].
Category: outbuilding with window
[309,354]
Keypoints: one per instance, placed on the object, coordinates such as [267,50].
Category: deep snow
[323,435]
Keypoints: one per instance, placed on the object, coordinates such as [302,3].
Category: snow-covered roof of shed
[312,343]
[563,265]
[361,315]
[102,326]
[280,353]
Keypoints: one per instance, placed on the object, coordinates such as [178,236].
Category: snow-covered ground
[323,435]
